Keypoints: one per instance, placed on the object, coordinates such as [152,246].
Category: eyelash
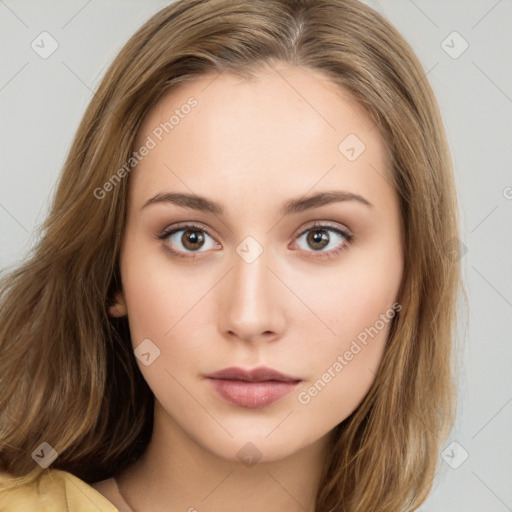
[317,226]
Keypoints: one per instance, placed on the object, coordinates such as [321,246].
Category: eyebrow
[199,203]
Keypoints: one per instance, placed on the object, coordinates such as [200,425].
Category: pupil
[317,237]
[192,238]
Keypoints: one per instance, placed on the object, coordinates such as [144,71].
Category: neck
[177,473]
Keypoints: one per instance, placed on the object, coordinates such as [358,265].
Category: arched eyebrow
[292,206]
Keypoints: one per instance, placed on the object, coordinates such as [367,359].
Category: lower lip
[252,395]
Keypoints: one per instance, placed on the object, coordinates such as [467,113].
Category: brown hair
[67,369]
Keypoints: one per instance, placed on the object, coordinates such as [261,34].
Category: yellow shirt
[53,491]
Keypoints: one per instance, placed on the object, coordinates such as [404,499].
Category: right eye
[185,240]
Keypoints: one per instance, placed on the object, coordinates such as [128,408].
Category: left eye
[318,238]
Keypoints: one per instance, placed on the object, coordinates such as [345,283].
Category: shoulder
[51,490]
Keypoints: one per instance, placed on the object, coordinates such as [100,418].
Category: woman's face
[293,261]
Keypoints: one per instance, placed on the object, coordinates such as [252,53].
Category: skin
[252,145]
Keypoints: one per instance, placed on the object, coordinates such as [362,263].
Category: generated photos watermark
[150,143]
[361,341]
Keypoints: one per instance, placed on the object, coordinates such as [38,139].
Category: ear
[118,309]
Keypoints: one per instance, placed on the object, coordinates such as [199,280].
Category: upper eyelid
[316,224]
[183,226]
[347,233]
[325,224]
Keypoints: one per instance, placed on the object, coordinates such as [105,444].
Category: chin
[253,445]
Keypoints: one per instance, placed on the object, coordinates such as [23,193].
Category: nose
[251,307]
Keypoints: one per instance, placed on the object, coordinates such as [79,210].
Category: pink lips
[251,388]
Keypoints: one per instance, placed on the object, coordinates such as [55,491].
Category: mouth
[252,389]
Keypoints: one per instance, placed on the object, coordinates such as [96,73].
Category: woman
[301,360]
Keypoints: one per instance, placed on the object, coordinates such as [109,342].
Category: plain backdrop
[464,47]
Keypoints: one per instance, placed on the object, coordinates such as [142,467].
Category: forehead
[270,97]
[287,128]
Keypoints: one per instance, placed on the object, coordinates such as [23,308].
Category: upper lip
[255,375]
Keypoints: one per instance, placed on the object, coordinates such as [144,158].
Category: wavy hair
[68,375]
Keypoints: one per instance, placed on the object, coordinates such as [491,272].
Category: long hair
[68,375]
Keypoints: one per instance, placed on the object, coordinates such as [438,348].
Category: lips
[252,389]
[255,375]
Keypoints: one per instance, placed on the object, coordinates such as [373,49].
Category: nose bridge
[250,305]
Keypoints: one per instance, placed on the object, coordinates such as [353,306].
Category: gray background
[42,101]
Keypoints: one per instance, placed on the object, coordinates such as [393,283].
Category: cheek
[358,305]
[342,367]
[156,298]
[346,362]
[166,311]
[350,300]
[169,308]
